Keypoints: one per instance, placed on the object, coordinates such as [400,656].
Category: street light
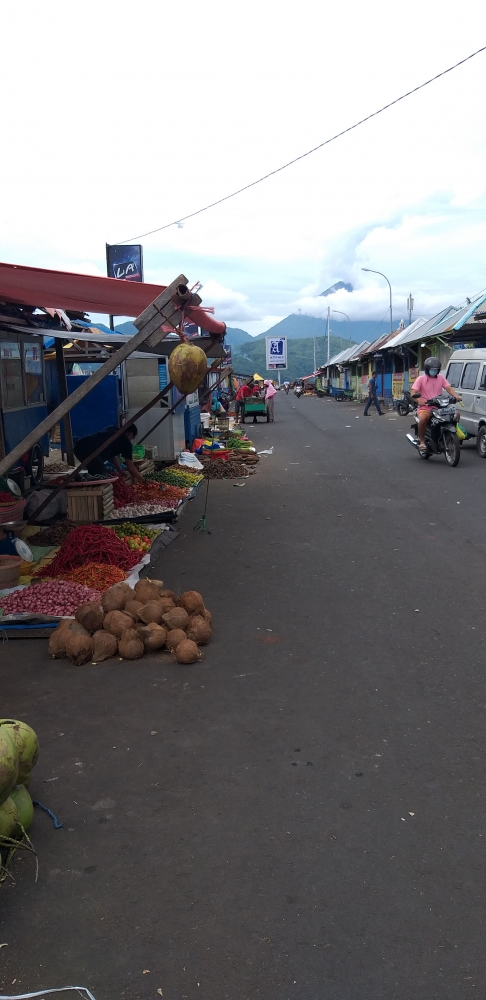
[371,271]
[340,313]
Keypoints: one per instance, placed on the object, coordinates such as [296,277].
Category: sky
[123,117]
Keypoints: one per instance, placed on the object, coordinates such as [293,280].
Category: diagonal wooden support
[164,312]
[120,430]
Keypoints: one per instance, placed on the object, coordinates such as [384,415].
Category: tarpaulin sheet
[37,286]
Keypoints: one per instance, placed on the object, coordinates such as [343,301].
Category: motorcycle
[286,387]
[440,433]
[407,404]
[298,391]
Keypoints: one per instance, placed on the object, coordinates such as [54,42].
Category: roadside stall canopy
[36,286]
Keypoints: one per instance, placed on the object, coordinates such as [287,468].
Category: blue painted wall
[18,423]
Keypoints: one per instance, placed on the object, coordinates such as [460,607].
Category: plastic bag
[190,460]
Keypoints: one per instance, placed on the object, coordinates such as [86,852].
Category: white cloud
[229,305]
[404,193]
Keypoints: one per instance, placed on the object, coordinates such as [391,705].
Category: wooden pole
[63,394]
[161,311]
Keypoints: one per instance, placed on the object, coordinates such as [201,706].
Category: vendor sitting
[122,447]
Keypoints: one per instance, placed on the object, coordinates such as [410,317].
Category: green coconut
[187,367]
[9,820]
[9,764]
[24,805]
[26,744]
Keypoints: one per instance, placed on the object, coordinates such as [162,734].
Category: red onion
[57,598]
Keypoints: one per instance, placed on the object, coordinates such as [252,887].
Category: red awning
[36,286]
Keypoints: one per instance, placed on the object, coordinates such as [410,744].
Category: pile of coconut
[128,623]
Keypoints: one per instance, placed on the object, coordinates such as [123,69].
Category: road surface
[300,816]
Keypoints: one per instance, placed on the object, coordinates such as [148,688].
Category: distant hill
[236,336]
[298,326]
[249,358]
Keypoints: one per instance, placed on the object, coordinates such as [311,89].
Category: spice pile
[95,575]
[50,598]
[130,623]
[143,499]
[175,475]
[53,535]
[135,536]
[232,469]
[93,542]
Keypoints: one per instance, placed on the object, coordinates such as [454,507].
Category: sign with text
[125,263]
[276,352]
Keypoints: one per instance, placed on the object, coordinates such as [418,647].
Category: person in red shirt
[425,388]
[243,392]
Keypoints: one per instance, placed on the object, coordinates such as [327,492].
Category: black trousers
[96,467]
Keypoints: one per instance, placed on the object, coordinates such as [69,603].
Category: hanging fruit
[187,367]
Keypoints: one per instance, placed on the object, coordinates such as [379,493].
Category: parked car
[466,372]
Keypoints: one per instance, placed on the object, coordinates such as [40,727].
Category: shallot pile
[129,623]
[49,598]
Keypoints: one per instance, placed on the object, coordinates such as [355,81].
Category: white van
[466,372]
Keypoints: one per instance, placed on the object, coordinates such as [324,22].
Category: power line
[303,155]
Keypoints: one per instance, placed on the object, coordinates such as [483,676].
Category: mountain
[336,287]
[236,336]
[249,358]
[298,326]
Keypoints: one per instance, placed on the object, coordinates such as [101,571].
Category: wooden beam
[63,394]
[164,312]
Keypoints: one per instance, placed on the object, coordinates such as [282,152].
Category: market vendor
[243,392]
[121,448]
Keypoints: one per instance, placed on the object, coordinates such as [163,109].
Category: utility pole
[328,336]
[314,353]
[410,308]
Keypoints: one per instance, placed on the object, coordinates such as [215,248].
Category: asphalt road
[300,816]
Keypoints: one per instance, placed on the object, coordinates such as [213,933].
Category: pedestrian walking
[372,395]
[270,392]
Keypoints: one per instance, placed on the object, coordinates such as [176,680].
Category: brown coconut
[115,598]
[199,630]
[79,648]
[130,646]
[187,367]
[133,607]
[104,646]
[151,612]
[117,622]
[207,615]
[153,636]
[58,639]
[192,602]
[77,628]
[176,618]
[166,603]
[145,591]
[174,637]
[187,652]
[90,615]
[167,593]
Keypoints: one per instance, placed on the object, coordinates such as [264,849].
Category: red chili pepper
[90,543]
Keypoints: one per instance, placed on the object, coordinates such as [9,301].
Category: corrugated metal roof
[403,334]
[359,349]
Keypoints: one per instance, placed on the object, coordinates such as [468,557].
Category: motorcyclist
[286,386]
[425,388]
